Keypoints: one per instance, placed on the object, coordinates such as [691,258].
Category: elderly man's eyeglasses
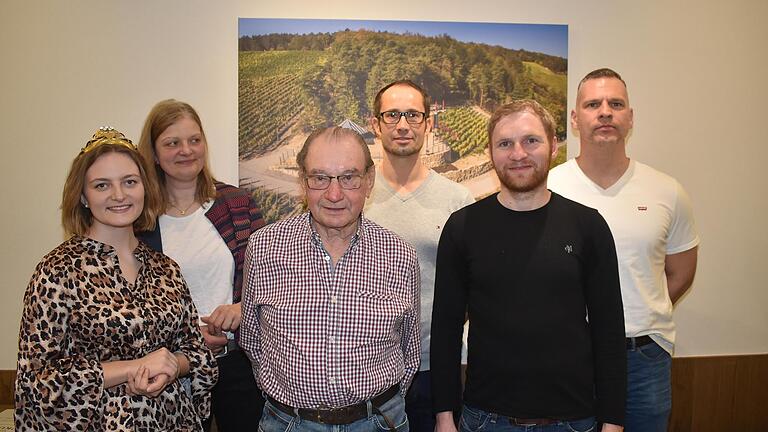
[322,181]
[392,117]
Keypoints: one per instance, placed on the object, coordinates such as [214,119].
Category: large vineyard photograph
[295,76]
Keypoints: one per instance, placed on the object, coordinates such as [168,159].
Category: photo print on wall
[297,75]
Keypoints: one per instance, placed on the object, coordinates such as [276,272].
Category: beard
[413,148]
[523,184]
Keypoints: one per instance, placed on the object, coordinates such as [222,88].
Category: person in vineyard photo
[537,276]
[331,302]
[651,218]
[109,338]
[414,202]
[204,226]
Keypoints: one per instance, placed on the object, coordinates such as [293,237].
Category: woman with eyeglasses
[204,226]
[109,337]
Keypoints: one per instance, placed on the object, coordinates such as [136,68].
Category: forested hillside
[307,81]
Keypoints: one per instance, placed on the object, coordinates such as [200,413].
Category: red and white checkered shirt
[329,336]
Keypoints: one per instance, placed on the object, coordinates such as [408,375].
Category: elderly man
[413,201]
[331,302]
[538,277]
[651,219]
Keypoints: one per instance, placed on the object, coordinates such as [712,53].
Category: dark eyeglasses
[322,181]
[412,117]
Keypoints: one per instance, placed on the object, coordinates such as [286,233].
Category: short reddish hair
[523,105]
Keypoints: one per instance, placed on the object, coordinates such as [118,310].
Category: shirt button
[333,299]
[327,258]
[332,339]
[331,380]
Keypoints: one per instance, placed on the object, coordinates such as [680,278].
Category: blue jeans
[649,392]
[274,420]
[418,403]
[476,420]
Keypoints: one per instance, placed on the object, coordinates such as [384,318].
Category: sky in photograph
[544,38]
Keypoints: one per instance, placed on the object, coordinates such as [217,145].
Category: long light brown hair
[162,115]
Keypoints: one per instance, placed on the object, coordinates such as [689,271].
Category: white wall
[696,73]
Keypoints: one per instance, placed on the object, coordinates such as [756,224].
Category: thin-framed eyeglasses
[393,117]
[322,181]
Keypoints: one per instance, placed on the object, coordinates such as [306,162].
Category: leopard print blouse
[79,311]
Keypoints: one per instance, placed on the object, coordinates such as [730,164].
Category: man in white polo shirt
[652,222]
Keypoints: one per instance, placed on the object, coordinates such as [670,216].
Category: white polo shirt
[650,216]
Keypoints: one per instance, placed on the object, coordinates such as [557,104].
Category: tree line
[358,63]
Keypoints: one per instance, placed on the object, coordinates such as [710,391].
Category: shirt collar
[141,252]
[317,241]
[207,205]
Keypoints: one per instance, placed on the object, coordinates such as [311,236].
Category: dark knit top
[541,288]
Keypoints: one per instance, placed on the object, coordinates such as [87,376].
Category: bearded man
[537,275]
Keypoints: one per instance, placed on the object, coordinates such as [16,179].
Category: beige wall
[696,72]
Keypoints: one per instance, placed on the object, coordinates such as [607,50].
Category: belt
[336,416]
[639,341]
[533,421]
[230,347]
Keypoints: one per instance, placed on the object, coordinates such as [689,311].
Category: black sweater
[528,280]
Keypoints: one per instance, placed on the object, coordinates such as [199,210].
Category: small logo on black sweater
[568,248]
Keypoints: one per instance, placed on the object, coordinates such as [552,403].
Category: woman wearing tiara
[108,330]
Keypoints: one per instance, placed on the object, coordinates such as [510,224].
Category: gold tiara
[107,135]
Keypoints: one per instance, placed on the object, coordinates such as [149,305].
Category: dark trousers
[418,403]
[237,402]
